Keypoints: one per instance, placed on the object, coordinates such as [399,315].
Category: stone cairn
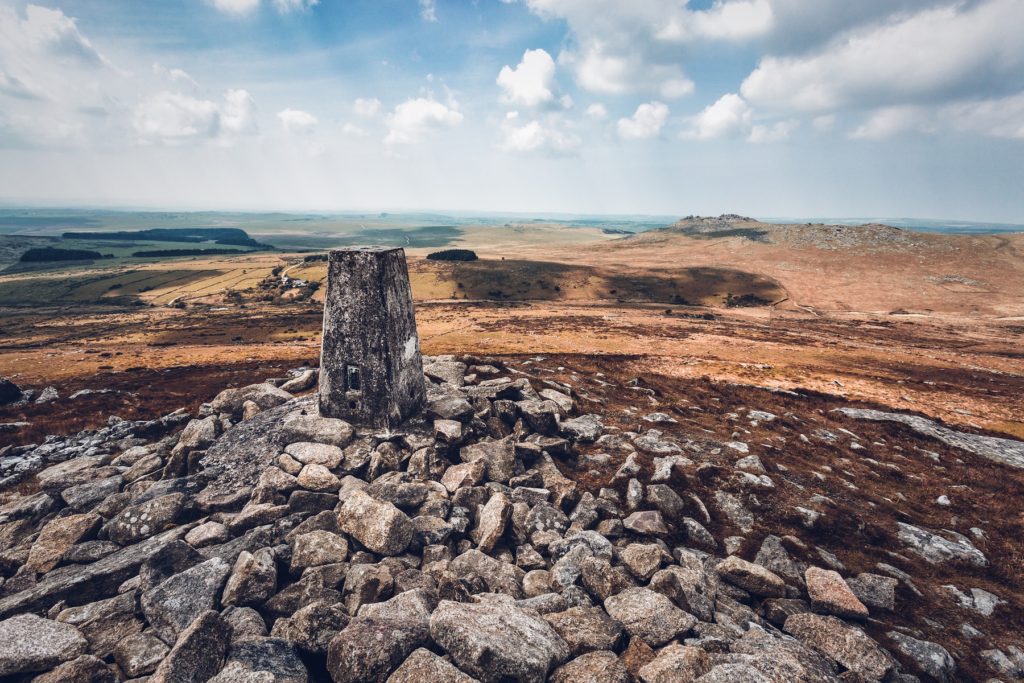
[266,539]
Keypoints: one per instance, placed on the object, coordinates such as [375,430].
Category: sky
[661,107]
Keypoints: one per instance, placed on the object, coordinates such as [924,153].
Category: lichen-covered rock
[253,579]
[583,429]
[940,547]
[493,518]
[642,560]
[675,664]
[207,533]
[312,627]
[499,458]
[140,654]
[830,594]
[318,478]
[378,525]
[369,650]
[264,395]
[496,640]
[751,577]
[649,616]
[423,666]
[874,590]
[177,602]
[586,629]
[318,548]
[929,658]
[198,653]
[315,428]
[84,669]
[593,667]
[31,643]
[143,520]
[308,453]
[57,537]
[262,660]
[646,523]
[463,474]
[842,643]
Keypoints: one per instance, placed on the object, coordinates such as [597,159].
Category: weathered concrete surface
[371,371]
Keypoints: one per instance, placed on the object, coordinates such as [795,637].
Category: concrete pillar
[371,371]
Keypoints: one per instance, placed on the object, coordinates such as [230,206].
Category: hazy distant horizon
[63,217]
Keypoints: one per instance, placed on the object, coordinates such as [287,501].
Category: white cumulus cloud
[173,118]
[284,6]
[646,122]
[618,47]
[297,121]
[428,10]
[729,116]
[531,82]
[235,6]
[957,50]
[535,136]
[774,132]
[416,118]
[597,111]
[366,107]
[51,31]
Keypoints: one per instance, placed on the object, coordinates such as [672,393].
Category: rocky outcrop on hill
[263,542]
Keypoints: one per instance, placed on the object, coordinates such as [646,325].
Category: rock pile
[263,542]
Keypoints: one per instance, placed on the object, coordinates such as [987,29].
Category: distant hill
[39,255]
[229,236]
[867,237]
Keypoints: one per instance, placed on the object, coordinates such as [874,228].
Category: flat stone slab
[240,455]
[1004,451]
[92,581]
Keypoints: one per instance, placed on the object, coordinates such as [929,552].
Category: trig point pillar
[370,366]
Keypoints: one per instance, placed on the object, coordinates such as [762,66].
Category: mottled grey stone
[175,603]
[31,643]
[497,641]
[371,368]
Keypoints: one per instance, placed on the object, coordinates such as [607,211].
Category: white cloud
[943,53]
[597,111]
[535,136]
[737,20]
[235,6]
[366,107]
[173,118]
[419,117]
[174,75]
[428,10]
[297,121]
[531,82]
[639,46]
[646,122]
[354,131]
[775,132]
[13,86]
[284,6]
[601,71]
[729,116]
[51,31]
[56,87]
[237,115]
[1000,117]
[889,121]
